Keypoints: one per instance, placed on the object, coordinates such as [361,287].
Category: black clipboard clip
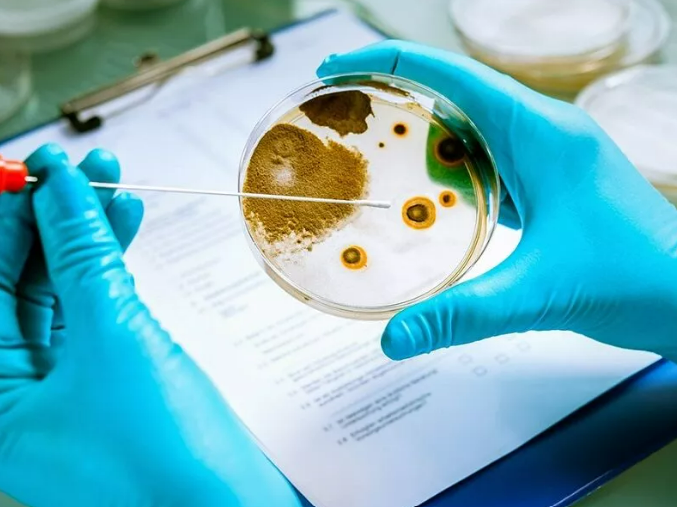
[159,73]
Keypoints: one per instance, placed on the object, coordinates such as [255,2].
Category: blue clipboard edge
[504,482]
[581,453]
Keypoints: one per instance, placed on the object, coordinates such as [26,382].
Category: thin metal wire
[176,190]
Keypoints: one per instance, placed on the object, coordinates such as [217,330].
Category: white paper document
[347,426]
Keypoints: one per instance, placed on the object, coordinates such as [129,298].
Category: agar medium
[560,47]
[638,109]
[376,137]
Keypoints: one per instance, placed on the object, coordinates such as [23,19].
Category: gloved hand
[98,407]
[598,252]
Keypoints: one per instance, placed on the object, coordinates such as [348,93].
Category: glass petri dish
[40,26]
[524,32]
[649,29]
[638,109]
[644,29]
[376,137]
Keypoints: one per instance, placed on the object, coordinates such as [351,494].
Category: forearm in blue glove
[98,407]
[598,253]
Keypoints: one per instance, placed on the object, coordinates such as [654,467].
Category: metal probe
[14,176]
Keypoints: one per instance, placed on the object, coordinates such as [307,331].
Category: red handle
[12,175]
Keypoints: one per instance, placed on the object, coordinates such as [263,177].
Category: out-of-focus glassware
[140,4]
[560,47]
[638,109]
[44,25]
[15,83]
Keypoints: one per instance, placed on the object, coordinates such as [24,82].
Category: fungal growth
[290,160]
[353,141]
[419,213]
[450,151]
[449,163]
[344,112]
[447,199]
[400,129]
[354,257]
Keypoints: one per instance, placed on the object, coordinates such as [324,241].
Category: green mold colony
[447,163]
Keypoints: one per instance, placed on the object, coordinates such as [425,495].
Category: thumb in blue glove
[598,253]
[121,415]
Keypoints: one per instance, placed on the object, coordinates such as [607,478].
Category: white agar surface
[403,263]
[638,109]
[541,28]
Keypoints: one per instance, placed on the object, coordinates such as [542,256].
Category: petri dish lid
[19,18]
[648,31]
[375,137]
[638,109]
[541,29]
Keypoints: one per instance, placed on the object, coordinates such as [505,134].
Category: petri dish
[40,26]
[376,137]
[630,33]
[637,107]
[531,31]
[649,29]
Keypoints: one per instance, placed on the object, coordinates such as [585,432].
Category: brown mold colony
[292,161]
[419,213]
[450,151]
[400,129]
[354,257]
[447,199]
[344,112]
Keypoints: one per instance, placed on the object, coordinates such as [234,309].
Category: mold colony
[354,139]
[294,161]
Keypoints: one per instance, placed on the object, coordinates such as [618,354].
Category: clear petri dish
[39,26]
[638,109]
[539,31]
[642,33]
[649,29]
[375,137]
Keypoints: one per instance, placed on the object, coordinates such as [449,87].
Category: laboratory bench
[111,51]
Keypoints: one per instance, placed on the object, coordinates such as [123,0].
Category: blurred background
[54,50]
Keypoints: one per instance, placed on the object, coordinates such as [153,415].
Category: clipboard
[557,468]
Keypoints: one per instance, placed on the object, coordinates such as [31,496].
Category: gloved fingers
[491,100]
[508,214]
[124,213]
[503,301]
[84,259]
[17,233]
[27,362]
[101,165]
[35,294]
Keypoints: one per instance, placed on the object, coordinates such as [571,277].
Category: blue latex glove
[98,407]
[598,254]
